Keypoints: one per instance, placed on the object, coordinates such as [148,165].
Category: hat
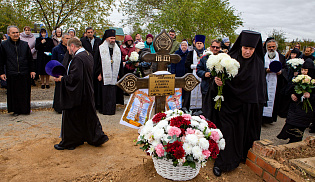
[149,35]
[308,64]
[250,38]
[71,29]
[109,33]
[295,50]
[225,39]
[55,68]
[200,38]
[140,45]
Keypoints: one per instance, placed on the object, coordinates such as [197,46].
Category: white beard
[271,55]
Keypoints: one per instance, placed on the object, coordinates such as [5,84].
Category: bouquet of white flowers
[181,138]
[224,67]
[134,57]
[295,64]
[304,83]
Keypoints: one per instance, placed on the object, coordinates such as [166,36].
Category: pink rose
[206,153]
[174,131]
[215,136]
[183,138]
[202,117]
[159,149]
[186,116]
[190,131]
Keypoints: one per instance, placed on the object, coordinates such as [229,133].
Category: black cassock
[79,120]
[240,116]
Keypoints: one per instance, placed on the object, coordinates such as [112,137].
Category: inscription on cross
[159,85]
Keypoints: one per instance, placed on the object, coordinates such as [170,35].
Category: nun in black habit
[298,119]
[79,120]
[244,97]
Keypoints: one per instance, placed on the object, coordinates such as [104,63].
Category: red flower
[179,121]
[213,148]
[211,125]
[176,149]
[158,117]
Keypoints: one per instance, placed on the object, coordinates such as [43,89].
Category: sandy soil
[27,154]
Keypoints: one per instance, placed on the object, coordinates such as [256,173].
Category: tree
[65,13]
[279,36]
[213,18]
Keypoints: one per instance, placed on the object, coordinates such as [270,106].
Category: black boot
[217,171]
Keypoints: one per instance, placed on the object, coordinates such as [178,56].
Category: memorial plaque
[161,85]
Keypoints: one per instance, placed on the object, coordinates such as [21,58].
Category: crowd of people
[256,95]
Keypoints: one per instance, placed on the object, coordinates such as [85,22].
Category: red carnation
[179,121]
[213,148]
[211,125]
[158,117]
[176,148]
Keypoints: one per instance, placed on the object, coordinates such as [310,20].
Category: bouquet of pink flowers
[304,83]
[181,138]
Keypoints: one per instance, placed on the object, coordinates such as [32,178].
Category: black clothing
[18,60]
[293,132]
[86,43]
[79,121]
[308,57]
[240,116]
[42,58]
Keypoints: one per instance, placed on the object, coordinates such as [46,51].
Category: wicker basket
[166,169]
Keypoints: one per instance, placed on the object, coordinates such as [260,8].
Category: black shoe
[47,86]
[58,147]
[43,87]
[217,171]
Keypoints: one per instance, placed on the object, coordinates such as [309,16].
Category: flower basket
[166,169]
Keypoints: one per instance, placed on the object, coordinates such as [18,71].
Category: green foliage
[213,18]
[78,14]
[280,38]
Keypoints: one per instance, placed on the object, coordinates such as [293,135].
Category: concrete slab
[307,164]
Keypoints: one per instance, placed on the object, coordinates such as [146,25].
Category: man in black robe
[109,69]
[16,55]
[244,97]
[278,103]
[79,120]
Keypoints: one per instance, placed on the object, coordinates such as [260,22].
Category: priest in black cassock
[109,69]
[79,120]
[244,97]
[16,55]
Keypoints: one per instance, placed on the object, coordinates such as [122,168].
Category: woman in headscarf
[44,46]
[240,116]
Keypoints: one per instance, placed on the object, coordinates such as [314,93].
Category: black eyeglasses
[215,47]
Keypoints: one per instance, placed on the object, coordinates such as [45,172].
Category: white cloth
[110,70]
[92,42]
[271,79]
[78,51]
[196,96]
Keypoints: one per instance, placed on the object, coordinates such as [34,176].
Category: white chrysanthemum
[202,126]
[295,62]
[222,56]
[191,139]
[199,134]
[134,56]
[165,138]
[197,152]
[212,61]
[151,150]
[147,128]
[188,148]
[217,130]
[155,143]
[221,144]
[203,143]
[158,134]
[196,118]
[194,123]
[207,131]
[162,124]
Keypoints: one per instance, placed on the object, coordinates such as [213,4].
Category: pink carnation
[183,138]
[186,116]
[159,149]
[202,117]
[206,153]
[190,131]
[215,136]
[174,131]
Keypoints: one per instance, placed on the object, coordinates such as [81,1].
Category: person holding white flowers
[193,99]
[240,115]
[298,119]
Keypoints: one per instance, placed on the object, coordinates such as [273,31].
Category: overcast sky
[294,18]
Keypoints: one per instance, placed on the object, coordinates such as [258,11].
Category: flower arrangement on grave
[181,138]
[224,67]
[304,83]
[295,64]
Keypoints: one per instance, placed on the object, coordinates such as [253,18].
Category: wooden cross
[162,44]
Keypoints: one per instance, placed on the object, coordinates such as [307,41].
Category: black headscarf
[249,85]
[309,64]
[108,33]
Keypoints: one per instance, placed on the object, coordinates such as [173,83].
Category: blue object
[55,68]
[275,66]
